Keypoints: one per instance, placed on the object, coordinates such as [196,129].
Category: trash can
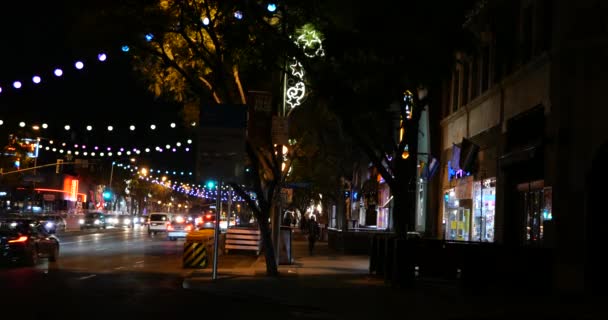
[198,249]
[285,252]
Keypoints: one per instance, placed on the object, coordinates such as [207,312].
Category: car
[208,221]
[157,222]
[53,223]
[26,241]
[178,228]
[118,220]
[94,220]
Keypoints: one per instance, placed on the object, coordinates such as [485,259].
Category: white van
[158,222]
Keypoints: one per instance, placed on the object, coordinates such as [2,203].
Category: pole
[111,174]
[218,211]
[34,180]
[229,208]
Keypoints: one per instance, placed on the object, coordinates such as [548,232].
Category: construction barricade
[198,249]
[243,239]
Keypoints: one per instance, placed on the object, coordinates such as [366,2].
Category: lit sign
[2,193]
[29,146]
[73,189]
[70,187]
[456,174]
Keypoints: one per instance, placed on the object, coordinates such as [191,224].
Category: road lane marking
[87,277]
[142,261]
[119,268]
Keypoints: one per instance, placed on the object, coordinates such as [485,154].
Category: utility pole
[216,233]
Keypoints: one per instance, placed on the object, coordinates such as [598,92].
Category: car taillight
[188,228]
[169,227]
[20,239]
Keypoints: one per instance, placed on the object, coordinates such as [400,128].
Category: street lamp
[111,174]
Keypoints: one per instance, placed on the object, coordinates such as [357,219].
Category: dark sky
[36,39]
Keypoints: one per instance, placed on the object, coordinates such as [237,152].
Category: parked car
[94,220]
[26,240]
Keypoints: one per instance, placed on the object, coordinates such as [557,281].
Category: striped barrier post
[196,254]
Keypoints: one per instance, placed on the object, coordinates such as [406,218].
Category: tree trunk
[271,262]
[404,208]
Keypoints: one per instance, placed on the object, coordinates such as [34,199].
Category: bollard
[196,252]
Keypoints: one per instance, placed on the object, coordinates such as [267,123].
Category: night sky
[36,39]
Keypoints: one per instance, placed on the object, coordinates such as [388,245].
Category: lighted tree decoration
[208,52]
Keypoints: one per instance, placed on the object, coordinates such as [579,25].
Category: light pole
[111,174]
[216,237]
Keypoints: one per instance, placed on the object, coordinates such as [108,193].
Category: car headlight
[126,221]
[49,225]
[81,221]
[96,221]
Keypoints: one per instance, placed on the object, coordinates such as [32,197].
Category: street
[122,273]
[114,272]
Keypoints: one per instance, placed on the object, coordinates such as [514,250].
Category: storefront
[457,213]
[535,201]
[384,199]
[484,210]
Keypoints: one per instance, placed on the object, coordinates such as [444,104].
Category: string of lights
[102,57]
[191,189]
[152,170]
[97,151]
[36,126]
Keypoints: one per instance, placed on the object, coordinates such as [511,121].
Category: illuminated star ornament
[311,43]
[312,46]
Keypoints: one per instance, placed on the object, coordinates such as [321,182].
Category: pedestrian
[313,233]
[287,219]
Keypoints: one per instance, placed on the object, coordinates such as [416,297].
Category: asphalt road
[115,273]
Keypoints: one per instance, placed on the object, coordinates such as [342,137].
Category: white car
[158,222]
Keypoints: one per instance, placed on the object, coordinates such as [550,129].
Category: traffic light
[210,184]
[107,195]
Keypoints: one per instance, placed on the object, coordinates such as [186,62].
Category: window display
[456,217]
[484,206]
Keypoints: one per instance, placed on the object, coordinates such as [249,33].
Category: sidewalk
[330,285]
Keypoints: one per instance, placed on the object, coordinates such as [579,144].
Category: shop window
[536,203]
[484,206]
[456,217]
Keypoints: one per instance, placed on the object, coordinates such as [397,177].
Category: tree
[200,52]
[325,159]
[368,67]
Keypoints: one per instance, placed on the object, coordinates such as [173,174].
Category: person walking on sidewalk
[313,233]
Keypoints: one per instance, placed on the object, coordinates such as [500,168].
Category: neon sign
[456,174]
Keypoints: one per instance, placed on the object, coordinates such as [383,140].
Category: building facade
[526,106]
